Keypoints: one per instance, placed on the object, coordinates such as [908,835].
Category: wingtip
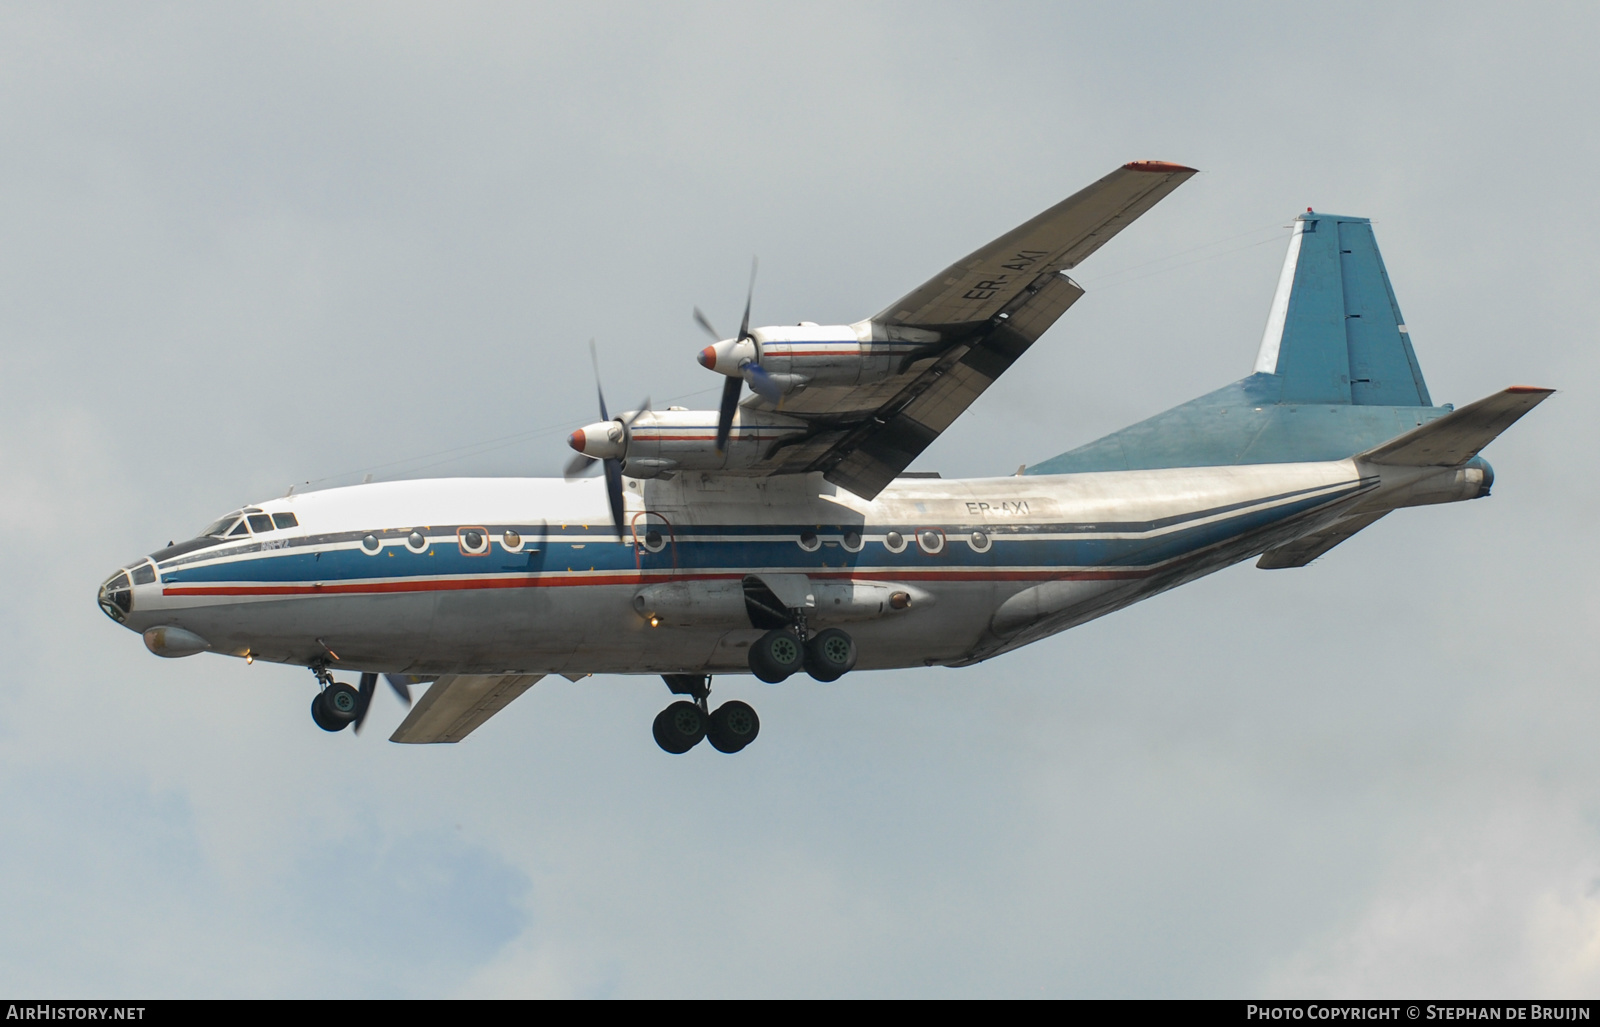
[1530,389]
[1159,167]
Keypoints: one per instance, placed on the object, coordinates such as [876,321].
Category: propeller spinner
[605,443]
[740,359]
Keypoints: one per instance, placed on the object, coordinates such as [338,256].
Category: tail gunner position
[780,534]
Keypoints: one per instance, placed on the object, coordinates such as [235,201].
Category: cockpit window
[260,522]
[220,526]
[239,529]
[144,574]
[285,520]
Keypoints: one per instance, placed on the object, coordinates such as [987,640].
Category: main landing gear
[681,726]
[828,655]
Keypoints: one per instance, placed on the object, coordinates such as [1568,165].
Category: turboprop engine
[660,443]
[795,356]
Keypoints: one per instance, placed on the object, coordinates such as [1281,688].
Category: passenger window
[285,520]
[260,522]
[239,529]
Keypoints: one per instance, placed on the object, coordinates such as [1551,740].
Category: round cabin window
[930,541]
[894,542]
[511,540]
[415,542]
[371,544]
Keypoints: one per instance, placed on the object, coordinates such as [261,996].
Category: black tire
[340,703]
[679,727]
[776,655]
[320,715]
[733,726]
[830,655]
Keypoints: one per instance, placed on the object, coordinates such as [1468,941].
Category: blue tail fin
[1334,332]
[1335,374]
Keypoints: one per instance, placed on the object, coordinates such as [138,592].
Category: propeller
[750,372]
[369,686]
[612,466]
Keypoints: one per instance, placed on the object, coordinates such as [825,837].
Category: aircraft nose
[116,596]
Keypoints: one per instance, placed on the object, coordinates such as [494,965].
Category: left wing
[961,330]
[456,704]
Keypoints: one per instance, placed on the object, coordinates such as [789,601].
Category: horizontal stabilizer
[1458,436]
[1303,550]
[456,704]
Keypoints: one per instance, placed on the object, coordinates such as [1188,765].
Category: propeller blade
[644,408]
[700,319]
[761,384]
[614,494]
[730,405]
[401,686]
[594,358]
[750,294]
[369,684]
[578,466]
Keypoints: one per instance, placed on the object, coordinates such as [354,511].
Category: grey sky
[249,246]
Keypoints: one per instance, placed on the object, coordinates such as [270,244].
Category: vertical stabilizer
[1334,332]
[1335,374]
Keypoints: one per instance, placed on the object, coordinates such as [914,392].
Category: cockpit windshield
[219,527]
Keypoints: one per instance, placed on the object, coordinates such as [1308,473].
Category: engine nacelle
[796,356]
[665,441]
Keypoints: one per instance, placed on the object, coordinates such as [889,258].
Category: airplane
[782,532]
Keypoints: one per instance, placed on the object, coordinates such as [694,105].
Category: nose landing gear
[681,726]
[335,707]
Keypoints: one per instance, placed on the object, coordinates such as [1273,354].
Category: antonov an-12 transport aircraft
[781,535]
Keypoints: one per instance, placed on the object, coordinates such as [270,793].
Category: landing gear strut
[681,726]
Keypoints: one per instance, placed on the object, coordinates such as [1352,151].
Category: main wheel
[734,725]
[830,655]
[679,727]
[340,703]
[320,714]
[775,655]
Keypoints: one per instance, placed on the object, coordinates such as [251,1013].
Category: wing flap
[979,285]
[1303,550]
[457,704]
[1457,437]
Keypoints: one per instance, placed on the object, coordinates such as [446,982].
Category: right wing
[456,704]
[979,285]
[969,324]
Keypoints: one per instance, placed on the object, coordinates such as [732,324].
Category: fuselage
[527,575]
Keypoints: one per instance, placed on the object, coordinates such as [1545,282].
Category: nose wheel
[683,725]
[335,707]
